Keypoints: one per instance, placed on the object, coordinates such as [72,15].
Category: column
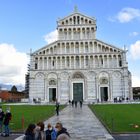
[47,62]
[117,59]
[65,58]
[74,47]
[74,62]
[80,63]
[56,62]
[93,61]
[84,61]
[108,61]
[60,62]
[43,63]
[70,62]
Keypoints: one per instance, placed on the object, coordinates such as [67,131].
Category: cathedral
[78,66]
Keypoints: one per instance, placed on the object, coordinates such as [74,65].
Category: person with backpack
[7,118]
[50,133]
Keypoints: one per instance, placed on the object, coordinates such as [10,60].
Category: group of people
[37,132]
[4,121]
[75,103]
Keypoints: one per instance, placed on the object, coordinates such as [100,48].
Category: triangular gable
[40,51]
[77,14]
[109,45]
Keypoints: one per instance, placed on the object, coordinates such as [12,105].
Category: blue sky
[26,24]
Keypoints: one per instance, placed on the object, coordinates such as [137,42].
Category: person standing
[39,131]
[1,119]
[61,130]
[57,108]
[50,133]
[8,117]
[81,103]
[30,132]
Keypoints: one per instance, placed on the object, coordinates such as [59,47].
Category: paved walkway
[82,124]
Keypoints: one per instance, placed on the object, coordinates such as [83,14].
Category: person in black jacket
[57,108]
[30,132]
[1,119]
[61,129]
[7,119]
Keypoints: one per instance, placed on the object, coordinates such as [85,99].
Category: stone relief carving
[64,75]
[116,75]
[39,75]
[77,76]
[103,80]
[52,82]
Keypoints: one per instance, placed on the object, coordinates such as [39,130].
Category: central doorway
[104,93]
[52,94]
[77,91]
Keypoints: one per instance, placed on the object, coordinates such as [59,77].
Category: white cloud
[135,50]
[135,81]
[51,37]
[13,65]
[134,34]
[126,15]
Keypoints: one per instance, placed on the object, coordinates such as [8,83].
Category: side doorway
[52,94]
[104,94]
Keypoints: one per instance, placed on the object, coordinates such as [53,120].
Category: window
[36,67]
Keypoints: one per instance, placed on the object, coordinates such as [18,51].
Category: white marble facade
[78,66]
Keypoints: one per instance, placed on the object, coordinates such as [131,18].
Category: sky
[27,25]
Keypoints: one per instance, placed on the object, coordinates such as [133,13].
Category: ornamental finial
[75,9]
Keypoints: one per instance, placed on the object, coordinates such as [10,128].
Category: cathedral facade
[78,66]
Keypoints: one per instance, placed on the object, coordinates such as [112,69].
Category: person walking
[1,119]
[81,103]
[57,108]
[50,133]
[72,103]
[7,118]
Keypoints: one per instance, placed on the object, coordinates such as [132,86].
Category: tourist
[50,133]
[60,129]
[7,119]
[1,119]
[75,104]
[63,137]
[39,131]
[81,103]
[72,103]
[57,108]
[30,132]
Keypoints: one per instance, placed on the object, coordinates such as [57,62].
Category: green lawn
[119,117]
[30,113]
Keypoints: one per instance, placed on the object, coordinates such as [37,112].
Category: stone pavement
[82,124]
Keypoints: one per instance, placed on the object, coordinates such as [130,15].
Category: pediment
[107,46]
[45,50]
[78,18]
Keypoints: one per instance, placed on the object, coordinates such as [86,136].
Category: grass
[120,118]
[30,113]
